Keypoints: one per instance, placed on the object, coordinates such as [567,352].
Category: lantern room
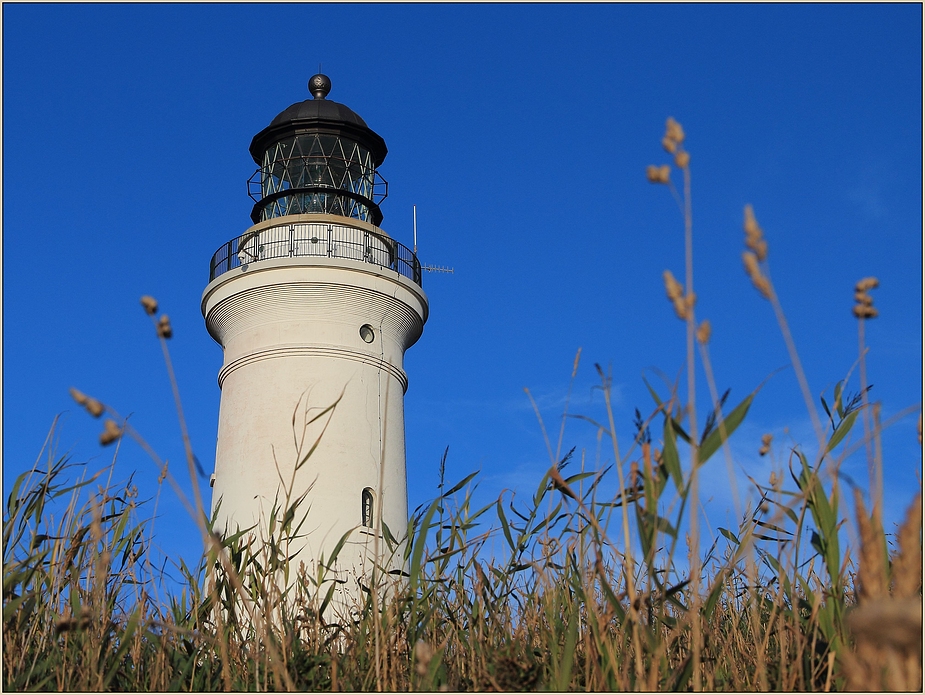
[318,156]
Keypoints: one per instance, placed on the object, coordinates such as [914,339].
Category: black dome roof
[319,109]
[319,115]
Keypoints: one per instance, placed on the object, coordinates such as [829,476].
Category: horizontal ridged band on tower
[314,351]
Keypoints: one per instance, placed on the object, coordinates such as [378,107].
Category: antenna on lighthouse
[428,268]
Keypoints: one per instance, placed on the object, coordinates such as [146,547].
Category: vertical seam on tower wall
[379,472]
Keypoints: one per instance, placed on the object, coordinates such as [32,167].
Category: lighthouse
[314,306]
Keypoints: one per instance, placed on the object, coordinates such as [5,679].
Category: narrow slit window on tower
[367,504]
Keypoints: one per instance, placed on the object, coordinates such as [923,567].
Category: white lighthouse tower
[314,307]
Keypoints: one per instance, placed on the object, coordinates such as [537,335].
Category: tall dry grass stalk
[588,583]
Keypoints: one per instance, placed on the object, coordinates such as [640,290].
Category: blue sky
[522,133]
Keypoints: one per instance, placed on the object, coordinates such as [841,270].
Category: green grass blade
[714,440]
[842,430]
[568,654]
[670,455]
[652,392]
[505,527]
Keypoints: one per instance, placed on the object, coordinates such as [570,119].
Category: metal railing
[318,239]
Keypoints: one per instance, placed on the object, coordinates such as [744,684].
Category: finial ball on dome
[319,85]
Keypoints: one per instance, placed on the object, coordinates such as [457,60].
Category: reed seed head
[751,263]
[674,131]
[150,304]
[682,304]
[682,159]
[93,406]
[704,330]
[672,287]
[887,649]
[81,398]
[864,307]
[754,273]
[872,581]
[751,224]
[865,312]
[164,329]
[765,448]
[657,174]
[111,432]
[670,145]
[754,236]
[907,565]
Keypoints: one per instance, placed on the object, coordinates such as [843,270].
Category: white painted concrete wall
[290,329]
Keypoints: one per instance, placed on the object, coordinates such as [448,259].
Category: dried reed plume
[864,307]
[164,329]
[673,132]
[674,136]
[93,406]
[754,240]
[683,304]
[887,624]
[150,304]
[657,174]
[754,235]
[111,432]
[704,331]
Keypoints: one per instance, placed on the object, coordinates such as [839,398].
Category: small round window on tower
[367,333]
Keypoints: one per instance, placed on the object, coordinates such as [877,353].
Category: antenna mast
[428,268]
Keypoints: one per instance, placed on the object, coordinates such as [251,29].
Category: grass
[570,588]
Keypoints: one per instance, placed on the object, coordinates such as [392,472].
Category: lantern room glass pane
[315,160]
